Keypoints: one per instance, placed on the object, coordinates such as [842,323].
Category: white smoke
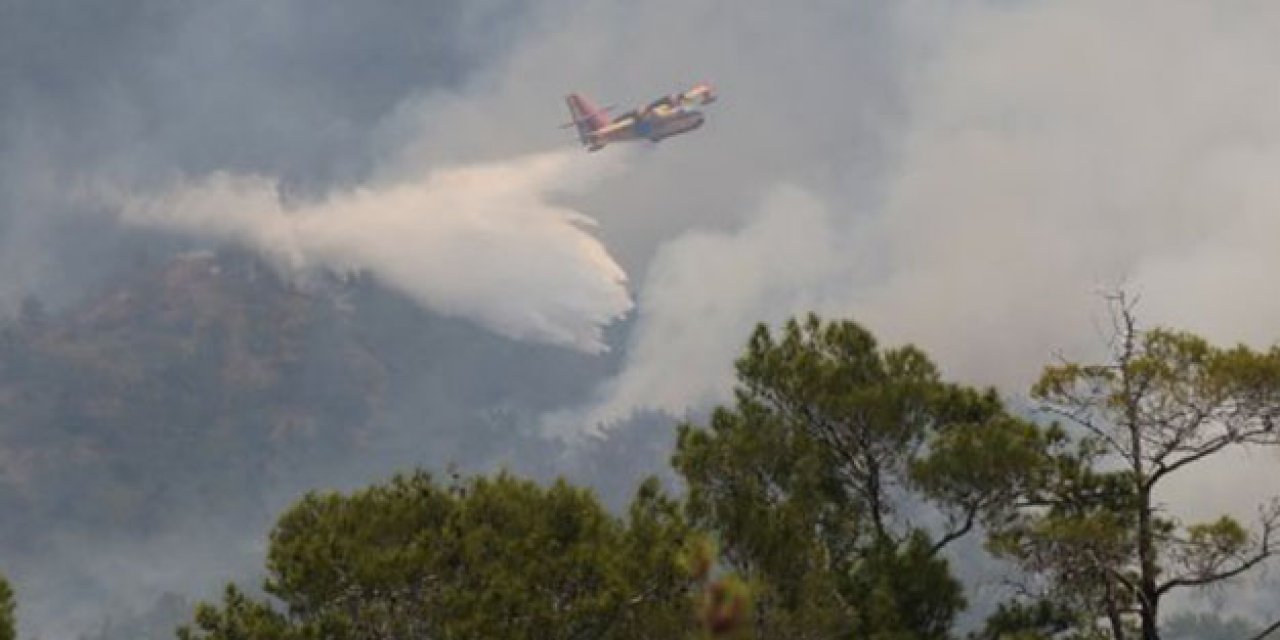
[1047,151]
[703,294]
[485,242]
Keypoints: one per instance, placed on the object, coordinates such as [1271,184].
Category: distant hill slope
[152,430]
[195,381]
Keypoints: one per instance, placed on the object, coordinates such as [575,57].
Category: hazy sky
[966,179]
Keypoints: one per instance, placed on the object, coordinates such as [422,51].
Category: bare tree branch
[970,516]
[1261,635]
[1080,419]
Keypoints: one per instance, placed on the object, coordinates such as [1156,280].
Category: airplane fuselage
[665,117]
[653,127]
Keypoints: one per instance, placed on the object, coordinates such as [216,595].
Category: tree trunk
[1148,595]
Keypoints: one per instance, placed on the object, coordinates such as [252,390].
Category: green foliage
[902,591]
[8,618]
[489,558]
[806,480]
[1163,403]
[1224,536]
[242,618]
[1041,620]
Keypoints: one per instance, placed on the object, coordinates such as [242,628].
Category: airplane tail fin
[586,116]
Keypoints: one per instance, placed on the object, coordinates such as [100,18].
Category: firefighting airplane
[665,117]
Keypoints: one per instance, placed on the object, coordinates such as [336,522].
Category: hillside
[151,430]
[200,380]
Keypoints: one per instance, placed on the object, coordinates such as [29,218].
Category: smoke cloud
[703,294]
[1027,172]
[1046,152]
[485,242]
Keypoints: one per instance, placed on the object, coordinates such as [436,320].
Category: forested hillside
[192,384]
[185,401]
